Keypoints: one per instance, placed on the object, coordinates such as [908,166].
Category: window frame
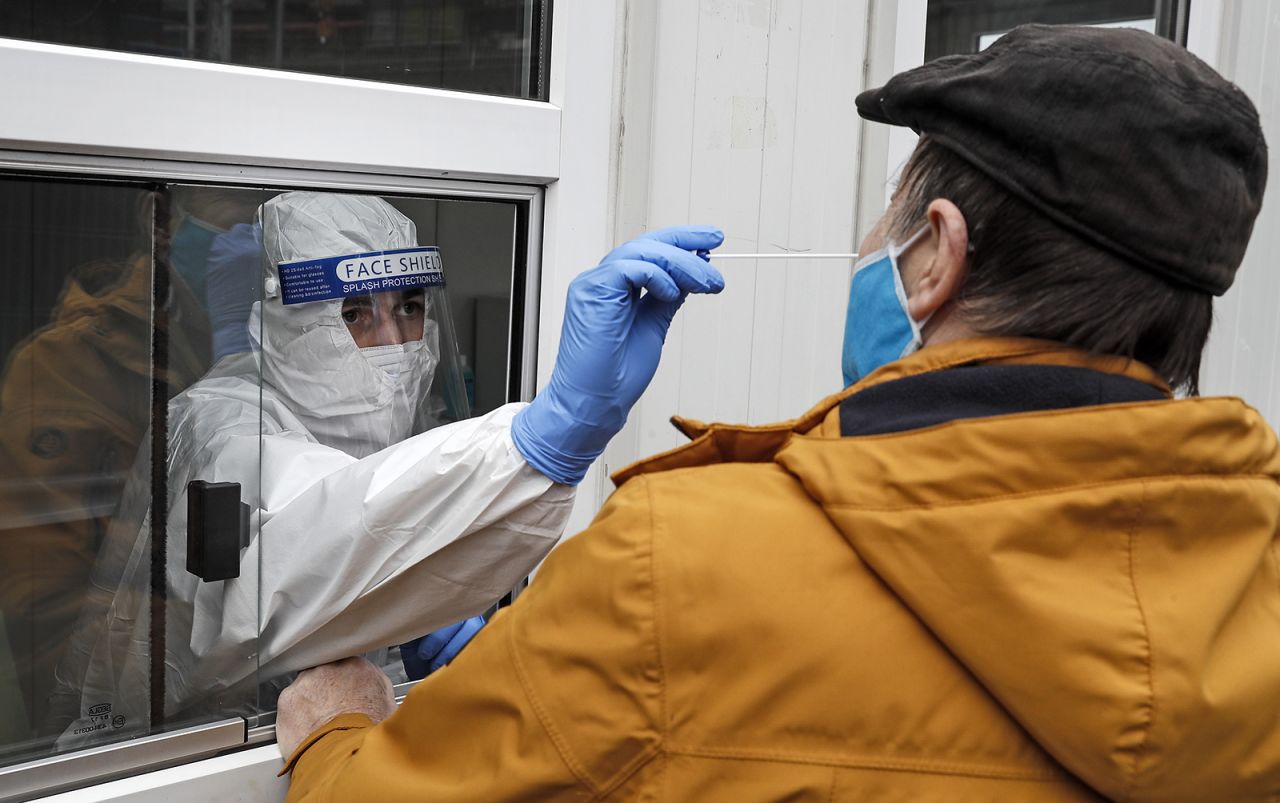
[185,744]
[165,111]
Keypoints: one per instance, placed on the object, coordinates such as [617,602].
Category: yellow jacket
[75,403]
[1047,606]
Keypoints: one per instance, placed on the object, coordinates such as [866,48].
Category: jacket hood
[1110,574]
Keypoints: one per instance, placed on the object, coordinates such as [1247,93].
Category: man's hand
[349,686]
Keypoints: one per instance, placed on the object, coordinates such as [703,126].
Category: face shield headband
[336,277]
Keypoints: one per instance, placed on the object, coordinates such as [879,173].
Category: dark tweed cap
[1120,136]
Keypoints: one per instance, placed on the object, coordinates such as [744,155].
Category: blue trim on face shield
[877,327]
[358,274]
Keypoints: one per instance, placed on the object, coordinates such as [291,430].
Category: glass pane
[967,26]
[117,622]
[477,241]
[495,47]
[91,358]
[75,320]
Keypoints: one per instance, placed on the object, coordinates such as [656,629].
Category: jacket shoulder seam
[1274,551]
[643,760]
[655,596]
[1060,489]
[628,770]
[869,762]
[1148,709]
[544,718]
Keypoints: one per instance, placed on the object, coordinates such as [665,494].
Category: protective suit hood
[307,353]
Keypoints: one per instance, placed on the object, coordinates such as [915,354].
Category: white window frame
[103,113]
[99,102]
[73,769]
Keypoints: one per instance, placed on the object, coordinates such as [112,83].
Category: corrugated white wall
[740,113]
[1243,358]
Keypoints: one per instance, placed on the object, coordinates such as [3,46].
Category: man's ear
[943,275]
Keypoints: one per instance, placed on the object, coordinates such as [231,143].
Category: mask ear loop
[917,327]
[897,250]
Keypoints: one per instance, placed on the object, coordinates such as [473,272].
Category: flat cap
[1122,137]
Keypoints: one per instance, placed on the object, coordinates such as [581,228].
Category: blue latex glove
[235,274]
[610,345]
[422,656]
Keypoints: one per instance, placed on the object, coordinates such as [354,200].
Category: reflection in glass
[495,47]
[75,406]
[108,632]
[118,676]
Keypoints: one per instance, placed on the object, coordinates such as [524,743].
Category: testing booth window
[140,360]
[969,26]
[496,47]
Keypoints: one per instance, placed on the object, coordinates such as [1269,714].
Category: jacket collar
[716,443]
[983,391]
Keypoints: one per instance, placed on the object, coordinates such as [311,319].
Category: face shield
[353,330]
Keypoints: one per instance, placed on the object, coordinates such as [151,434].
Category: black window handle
[217,529]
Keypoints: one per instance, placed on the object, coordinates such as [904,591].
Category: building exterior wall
[1243,358]
[740,114]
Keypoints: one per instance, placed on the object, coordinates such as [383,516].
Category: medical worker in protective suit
[371,525]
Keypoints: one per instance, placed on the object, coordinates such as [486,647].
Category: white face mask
[390,358]
[357,400]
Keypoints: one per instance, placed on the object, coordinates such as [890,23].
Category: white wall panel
[584,71]
[739,113]
[1243,358]
[661,175]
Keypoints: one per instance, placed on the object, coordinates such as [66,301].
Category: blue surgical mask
[189,253]
[877,327]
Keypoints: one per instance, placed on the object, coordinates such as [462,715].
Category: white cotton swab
[790,255]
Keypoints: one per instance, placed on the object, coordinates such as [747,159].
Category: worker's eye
[352,314]
[411,306]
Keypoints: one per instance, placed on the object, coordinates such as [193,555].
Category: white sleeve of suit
[353,555]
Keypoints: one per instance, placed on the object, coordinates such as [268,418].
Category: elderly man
[1006,563]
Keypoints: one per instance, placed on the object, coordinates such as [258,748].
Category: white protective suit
[362,537]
